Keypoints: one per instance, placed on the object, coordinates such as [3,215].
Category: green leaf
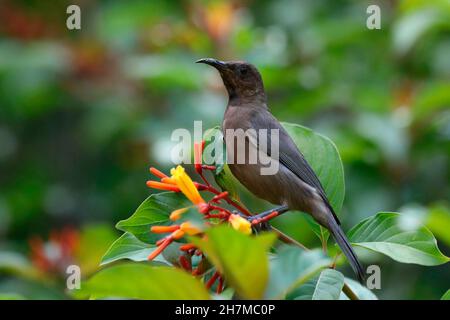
[228,182]
[384,233]
[240,258]
[323,156]
[293,267]
[131,248]
[327,286]
[142,281]
[446,295]
[319,231]
[155,210]
[361,291]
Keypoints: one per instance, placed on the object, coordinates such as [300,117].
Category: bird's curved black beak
[212,62]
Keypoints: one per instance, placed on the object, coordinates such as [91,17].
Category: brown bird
[294,184]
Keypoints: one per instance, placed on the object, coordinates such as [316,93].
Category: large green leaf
[361,291]
[155,210]
[323,156]
[384,233]
[131,248]
[142,281]
[293,267]
[240,258]
[327,286]
[446,295]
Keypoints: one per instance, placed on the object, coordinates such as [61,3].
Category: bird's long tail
[347,249]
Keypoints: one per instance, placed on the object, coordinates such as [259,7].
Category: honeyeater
[294,184]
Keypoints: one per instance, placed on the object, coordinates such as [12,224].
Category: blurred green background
[84,113]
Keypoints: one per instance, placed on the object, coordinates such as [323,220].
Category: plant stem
[349,292]
[287,239]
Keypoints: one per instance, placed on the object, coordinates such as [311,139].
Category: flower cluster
[212,211]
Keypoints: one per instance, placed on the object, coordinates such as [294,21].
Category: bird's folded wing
[289,155]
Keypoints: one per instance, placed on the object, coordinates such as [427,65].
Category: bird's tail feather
[347,249]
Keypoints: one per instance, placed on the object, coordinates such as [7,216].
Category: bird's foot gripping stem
[260,222]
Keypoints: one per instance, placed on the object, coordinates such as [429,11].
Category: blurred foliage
[84,113]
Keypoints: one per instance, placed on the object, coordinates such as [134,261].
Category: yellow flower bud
[240,224]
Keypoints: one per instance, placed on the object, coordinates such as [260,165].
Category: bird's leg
[264,217]
[260,222]
[267,215]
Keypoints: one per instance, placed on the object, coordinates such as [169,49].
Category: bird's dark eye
[243,71]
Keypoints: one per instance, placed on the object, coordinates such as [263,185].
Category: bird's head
[241,79]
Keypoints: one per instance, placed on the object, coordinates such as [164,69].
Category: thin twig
[287,239]
[349,292]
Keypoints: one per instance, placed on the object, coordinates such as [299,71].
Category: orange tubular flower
[240,224]
[186,185]
[164,229]
[178,234]
[176,214]
[158,173]
[160,249]
[187,247]
[162,186]
[198,150]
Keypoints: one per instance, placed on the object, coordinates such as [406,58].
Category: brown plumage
[294,184]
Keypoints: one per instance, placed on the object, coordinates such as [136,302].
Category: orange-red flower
[160,248]
[162,186]
[158,173]
[198,151]
[176,214]
[164,229]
